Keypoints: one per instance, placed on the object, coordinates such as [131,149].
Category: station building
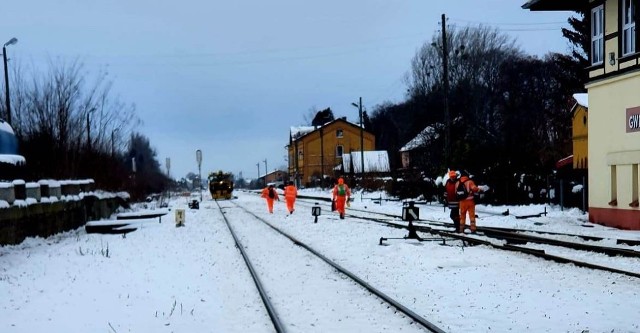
[614,107]
[315,152]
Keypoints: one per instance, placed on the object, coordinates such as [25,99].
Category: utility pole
[6,85]
[322,156]
[258,165]
[361,136]
[266,171]
[6,78]
[168,165]
[199,160]
[445,69]
[297,173]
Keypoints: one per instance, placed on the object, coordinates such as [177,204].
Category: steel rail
[425,323]
[263,294]
[510,235]
[507,247]
[496,232]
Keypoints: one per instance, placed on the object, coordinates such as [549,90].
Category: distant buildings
[317,152]
[579,131]
[417,150]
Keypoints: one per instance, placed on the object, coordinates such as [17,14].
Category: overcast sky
[231,77]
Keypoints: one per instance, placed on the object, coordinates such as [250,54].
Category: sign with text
[633,119]
[180,217]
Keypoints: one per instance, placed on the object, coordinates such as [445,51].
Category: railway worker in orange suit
[271,195]
[452,200]
[290,194]
[467,204]
[341,194]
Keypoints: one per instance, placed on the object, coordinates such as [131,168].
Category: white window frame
[339,151]
[597,35]
[628,27]
[339,133]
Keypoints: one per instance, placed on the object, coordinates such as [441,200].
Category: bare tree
[311,113]
[67,120]
[474,57]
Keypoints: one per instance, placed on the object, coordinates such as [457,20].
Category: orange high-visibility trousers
[468,205]
[290,203]
[340,201]
[270,205]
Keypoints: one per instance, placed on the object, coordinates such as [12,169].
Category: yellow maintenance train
[220,185]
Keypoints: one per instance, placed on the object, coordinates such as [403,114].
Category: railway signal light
[410,213]
[315,212]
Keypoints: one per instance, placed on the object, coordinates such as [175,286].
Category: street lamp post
[359,106]
[168,165]
[258,181]
[266,172]
[6,77]
[199,160]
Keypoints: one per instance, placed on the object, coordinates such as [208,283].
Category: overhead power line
[508,23]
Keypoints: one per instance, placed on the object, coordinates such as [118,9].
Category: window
[597,35]
[339,134]
[628,27]
[300,154]
[339,151]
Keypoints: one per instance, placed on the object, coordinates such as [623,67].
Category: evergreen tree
[323,117]
[580,40]
[147,176]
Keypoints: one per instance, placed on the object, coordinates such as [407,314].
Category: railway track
[519,236]
[291,297]
[516,240]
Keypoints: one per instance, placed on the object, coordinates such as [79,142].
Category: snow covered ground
[192,279]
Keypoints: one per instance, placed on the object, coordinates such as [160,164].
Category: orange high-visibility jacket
[336,191]
[290,192]
[470,185]
[265,194]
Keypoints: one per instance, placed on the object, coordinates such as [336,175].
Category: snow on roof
[298,131]
[12,159]
[4,126]
[427,135]
[374,161]
[8,141]
[582,99]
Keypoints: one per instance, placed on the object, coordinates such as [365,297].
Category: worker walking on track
[341,194]
[271,195]
[465,191]
[290,194]
[452,200]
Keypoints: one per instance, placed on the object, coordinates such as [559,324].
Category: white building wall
[612,151]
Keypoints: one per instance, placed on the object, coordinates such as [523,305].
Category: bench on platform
[147,214]
[108,227]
